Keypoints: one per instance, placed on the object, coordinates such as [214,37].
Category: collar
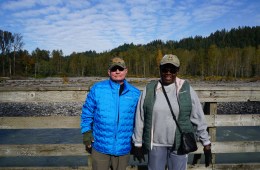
[178,82]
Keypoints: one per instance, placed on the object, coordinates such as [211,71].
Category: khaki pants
[103,162]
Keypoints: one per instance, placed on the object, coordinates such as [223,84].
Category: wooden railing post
[90,161]
[210,108]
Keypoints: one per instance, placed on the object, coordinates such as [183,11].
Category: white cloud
[91,25]
[14,5]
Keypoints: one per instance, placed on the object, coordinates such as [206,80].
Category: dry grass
[65,80]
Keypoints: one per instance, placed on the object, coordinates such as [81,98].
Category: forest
[231,53]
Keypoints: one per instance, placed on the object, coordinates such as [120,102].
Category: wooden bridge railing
[208,95]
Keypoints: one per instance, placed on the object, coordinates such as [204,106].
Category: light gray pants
[161,157]
[103,162]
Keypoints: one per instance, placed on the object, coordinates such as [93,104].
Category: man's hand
[87,140]
[208,155]
[139,154]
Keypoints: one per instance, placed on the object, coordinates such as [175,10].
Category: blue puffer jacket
[110,116]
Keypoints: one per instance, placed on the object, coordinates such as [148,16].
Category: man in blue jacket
[107,119]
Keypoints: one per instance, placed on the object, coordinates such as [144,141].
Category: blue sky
[101,25]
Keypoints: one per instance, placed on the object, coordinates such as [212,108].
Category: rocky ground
[74,108]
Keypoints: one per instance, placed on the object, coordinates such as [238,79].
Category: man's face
[117,73]
[168,73]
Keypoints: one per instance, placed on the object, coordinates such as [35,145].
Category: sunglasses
[114,69]
[172,70]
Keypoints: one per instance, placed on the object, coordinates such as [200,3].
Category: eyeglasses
[172,70]
[114,69]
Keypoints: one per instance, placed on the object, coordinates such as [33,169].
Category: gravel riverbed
[74,109]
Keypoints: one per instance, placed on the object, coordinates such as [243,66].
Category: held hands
[208,155]
[88,140]
[139,154]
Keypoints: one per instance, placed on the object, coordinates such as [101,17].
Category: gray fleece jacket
[163,125]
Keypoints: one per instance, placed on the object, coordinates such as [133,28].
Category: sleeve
[88,110]
[198,118]
[139,121]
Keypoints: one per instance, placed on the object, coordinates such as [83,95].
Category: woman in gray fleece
[155,128]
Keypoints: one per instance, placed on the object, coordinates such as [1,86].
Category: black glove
[139,154]
[208,155]
[196,159]
[87,140]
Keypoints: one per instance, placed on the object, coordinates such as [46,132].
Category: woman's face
[168,73]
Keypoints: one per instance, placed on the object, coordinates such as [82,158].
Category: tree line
[234,53]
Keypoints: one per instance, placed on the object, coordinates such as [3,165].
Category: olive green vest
[184,100]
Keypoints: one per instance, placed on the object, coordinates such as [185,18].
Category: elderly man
[107,119]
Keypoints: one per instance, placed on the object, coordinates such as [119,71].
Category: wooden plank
[241,166]
[79,150]
[210,119]
[199,167]
[43,150]
[43,122]
[78,94]
[48,168]
[190,167]
[52,122]
[212,87]
[229,94]
[43,96]
[237,120]
[45,88]
[235,147]
[233,120]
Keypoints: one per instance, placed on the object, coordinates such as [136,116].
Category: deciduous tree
[17,45]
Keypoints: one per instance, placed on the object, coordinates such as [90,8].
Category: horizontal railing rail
[70,122]
[78,94]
